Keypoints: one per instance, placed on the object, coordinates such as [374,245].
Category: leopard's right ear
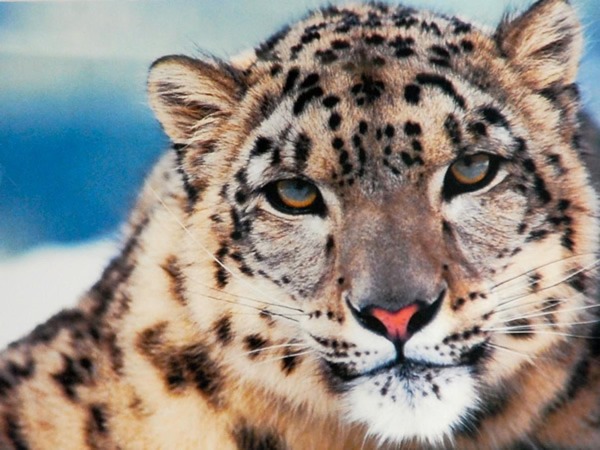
[191,98]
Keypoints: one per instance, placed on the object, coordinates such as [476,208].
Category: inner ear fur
[544,44]
[191,98]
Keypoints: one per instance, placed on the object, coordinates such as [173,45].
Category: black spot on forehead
[412,94]
[412,128]
[330,101]
[310,80]
[441,82]
[302,148]
[261,146]
[291,79]
[494,117]
[306,97]
[453,129]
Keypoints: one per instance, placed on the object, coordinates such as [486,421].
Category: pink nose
[396,322]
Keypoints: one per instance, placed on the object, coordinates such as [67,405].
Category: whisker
[261,304]
[545,312]
[290,355]
[243,297]
[261,310]
[535,326]
[509,350]
[534,302]
[538,268]
[544,332]
[208,253]
[541,289]
[271,347]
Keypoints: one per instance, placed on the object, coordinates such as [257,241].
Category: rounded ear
[544,44]
[191,97]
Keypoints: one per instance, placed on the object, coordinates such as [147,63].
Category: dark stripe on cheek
[98,422]
[192,192]
[176,279]
[248,438]
[221,276]
[223,330]
[289,363]
[330,245]
[15,434]
[180,367]
[69,378]
[519,329]
[254,343]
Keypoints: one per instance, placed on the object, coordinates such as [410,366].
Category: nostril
[399,325]
[371,322]
[425,315]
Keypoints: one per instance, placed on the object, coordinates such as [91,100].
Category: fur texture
[438,291]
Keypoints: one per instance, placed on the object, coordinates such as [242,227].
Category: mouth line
[406,366]
[409,366]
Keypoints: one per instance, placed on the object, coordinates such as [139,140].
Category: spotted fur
[231,322]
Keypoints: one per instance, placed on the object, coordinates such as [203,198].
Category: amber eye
[470,173]
[471,169]
[294,196]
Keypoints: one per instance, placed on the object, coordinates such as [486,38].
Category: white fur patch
[424,403]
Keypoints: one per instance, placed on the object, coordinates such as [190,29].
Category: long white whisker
[506,349]
[290,355]
[271,347]
[524,274]
[534,302]
[208,253]
[536,326]
[541,289]
[260,310]
[543,332]
[260,306]
[544,312]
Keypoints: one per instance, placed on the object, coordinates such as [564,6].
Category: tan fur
[230,322]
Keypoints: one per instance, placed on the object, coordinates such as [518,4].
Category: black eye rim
[271,194]
[452,187]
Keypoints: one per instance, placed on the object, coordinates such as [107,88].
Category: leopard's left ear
[544,44]
[192,98]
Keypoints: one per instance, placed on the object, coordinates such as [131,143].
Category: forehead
[376,86]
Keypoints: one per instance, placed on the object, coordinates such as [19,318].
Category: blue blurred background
[76,136]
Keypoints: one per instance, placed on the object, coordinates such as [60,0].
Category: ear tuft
[190,96]
[544,43]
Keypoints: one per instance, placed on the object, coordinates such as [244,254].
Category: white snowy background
[39,281]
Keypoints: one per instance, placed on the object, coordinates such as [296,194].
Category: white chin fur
[397,409]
